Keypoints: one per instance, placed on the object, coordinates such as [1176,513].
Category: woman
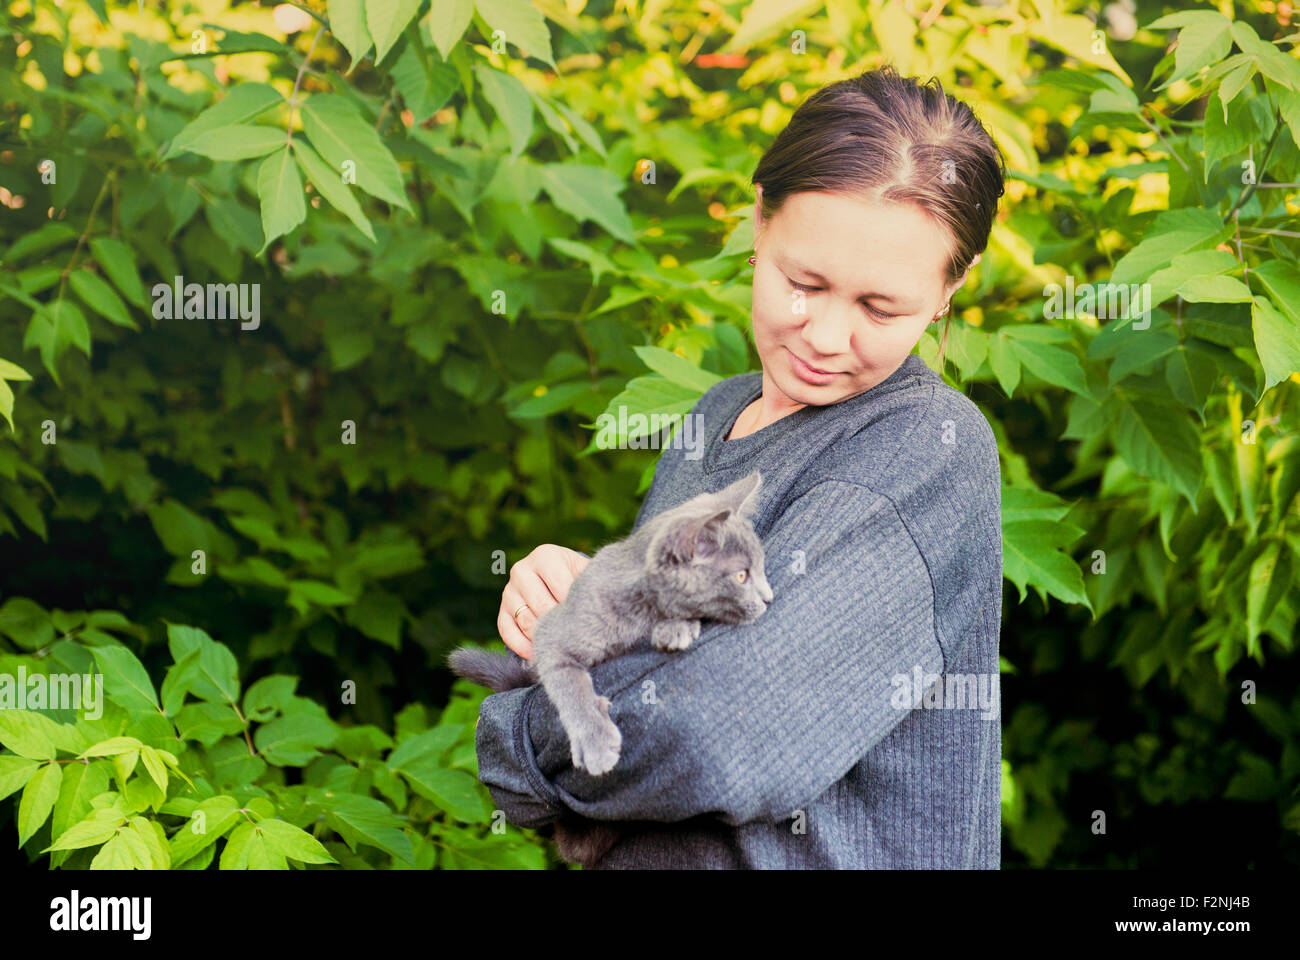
[817,736]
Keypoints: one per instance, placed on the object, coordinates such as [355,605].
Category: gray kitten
[698,561]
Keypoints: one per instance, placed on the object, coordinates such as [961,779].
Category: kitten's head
[705,561]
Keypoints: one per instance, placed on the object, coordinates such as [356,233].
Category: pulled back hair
[892,139]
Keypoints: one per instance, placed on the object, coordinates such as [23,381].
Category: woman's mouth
[808,373]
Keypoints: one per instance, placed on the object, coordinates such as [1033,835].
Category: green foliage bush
[542,214]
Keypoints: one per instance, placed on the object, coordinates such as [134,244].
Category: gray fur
[658,584]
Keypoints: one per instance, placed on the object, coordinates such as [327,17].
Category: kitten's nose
[765,592]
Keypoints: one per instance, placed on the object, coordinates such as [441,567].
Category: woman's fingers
[538,583]
[511,635]
[527,581]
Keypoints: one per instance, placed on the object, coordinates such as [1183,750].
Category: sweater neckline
[719,453]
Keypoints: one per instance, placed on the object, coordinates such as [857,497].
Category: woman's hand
[541,580]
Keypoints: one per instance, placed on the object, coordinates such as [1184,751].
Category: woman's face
[846,286]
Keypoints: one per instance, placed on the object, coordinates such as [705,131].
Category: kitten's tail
[493,670]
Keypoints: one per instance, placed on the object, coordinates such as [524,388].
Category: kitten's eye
[741,575]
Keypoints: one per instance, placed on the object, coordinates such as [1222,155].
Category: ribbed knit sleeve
[752,721]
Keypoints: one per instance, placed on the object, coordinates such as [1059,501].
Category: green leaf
[153,765]
[453,17]
[125,679]
[1073,34]
[1155,438]
[378,614]
[1054,364]
[218,678]
[1276,324]
[522,24]
[1174,233]
[239,141]
[14,774]
[95,829]
[268,696]
[208,821]
[154,839]
[112,747]
[648,396]
[293,842]
[427,746]
[453,790]
[588,192]
[180,677]
[38,800]
[295,740]
[125,851]
[99,296]
[25,623]
[243,103]
[599,263]
[322,593]
[331,186]
[339,133]
[1192,373]
[49,236]
[82,782]
[54,328]
[279,188]
[348,23]
[1032,555]
[425,88]
[359,819]
[510,99]
[1277,341]
[386,19]
[1004,362]
[1205,39]
[207,722]
[1270,579]
[1218,289]
[1140,351]
[676,368]
[117,261]
[25,735]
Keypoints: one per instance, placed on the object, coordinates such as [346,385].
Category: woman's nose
[827,332]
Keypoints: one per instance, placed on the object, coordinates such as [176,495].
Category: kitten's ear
[744,493]
[693,538]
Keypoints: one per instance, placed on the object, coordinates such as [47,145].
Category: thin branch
[1276,233]
[1172,152]
[81,240]
[293,98]
[1263,165]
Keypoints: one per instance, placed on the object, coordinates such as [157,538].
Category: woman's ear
[957,284]
[758,212]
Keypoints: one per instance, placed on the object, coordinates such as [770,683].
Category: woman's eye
[870,309]
[741,575]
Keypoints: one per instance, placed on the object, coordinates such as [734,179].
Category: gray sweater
[816,736]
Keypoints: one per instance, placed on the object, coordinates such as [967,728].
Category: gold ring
[515,615]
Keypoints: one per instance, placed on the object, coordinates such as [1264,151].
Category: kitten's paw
[596,749]
[675,634]
[604,704]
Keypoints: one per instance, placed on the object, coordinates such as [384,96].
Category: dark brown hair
[894,140]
